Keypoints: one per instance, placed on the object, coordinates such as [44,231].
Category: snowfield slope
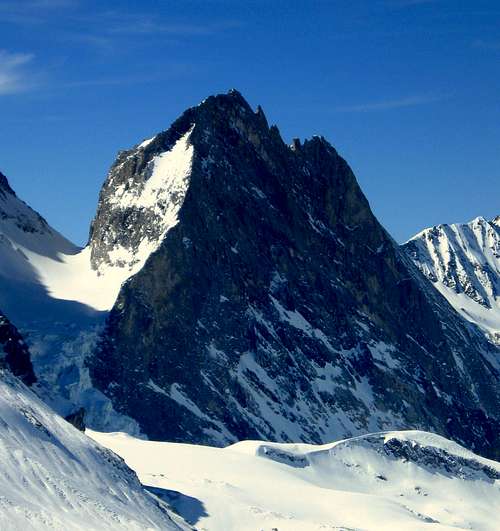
[463,263]
[54,477]
[387,481]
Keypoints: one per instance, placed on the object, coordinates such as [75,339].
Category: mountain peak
[266,275]
[146,186]
[462,260]
[478,220]
[233,99]
[4,185]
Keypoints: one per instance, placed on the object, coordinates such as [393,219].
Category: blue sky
[408,91]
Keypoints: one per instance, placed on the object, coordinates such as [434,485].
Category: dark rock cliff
[14,353]
[15,356]
[277,307]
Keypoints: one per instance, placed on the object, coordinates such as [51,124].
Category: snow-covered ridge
[463,263]
[24,232]
[54,477]
[392,481]
[32,252]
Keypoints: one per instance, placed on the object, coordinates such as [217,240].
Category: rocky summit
[268,302]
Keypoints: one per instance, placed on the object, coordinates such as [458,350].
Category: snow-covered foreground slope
[54,477]
[463,263]
[389,481]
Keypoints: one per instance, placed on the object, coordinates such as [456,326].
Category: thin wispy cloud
[409,101]
[33,12]
[145,25]
[52,4]
[108,32]
[14,77]
[113,31]
[106,21]
[174,71]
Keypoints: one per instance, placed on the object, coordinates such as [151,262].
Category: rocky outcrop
[15,356]
[275,306]
[139,202]
[4,185]
[14,353]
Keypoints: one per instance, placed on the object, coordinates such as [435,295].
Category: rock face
[139,202]
[463,263]
[14,353]
[274,305]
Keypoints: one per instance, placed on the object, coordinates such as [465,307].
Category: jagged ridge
[276,306]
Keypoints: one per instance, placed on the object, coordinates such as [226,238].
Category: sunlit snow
[349,485]
[54,477]
[463,262]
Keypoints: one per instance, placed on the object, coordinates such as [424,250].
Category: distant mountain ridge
[463,263]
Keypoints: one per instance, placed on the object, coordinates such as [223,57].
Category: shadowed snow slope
[52,476]
[463,263]
[392,481]
[49,290]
